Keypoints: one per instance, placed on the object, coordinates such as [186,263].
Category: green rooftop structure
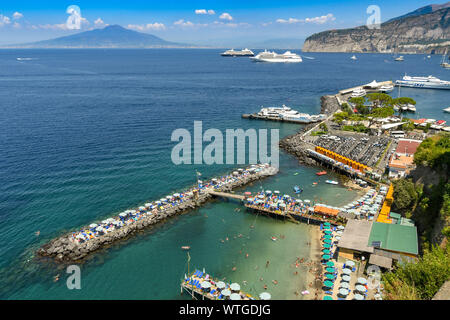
[396,217]
[394,237]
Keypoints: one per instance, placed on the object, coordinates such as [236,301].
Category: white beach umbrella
[265,296]
[235,296]
[235,287]
[226,292]
[350,263]
[362,280]
[205,285]
[344,285]
[220,285]
[93,225]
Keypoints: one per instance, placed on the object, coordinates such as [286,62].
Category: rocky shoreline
[63,249]
[294,143]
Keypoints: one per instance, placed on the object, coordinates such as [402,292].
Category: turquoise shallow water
[86,133]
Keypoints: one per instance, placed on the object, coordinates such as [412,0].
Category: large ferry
[272,56]
[238,53]
[429,82]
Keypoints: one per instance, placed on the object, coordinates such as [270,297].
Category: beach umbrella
[344,285]
[326,251]
[99,229]
[328,241]
[360,288]
[358,297]
[346,278]
[329,276]
[343,291]
[235,287]
[265,296]
[362,280]
[327,227]
[123,214]
[327,224]
[326,245]
[276,192]
[341,227]
[328,236]
[326,257]
[350,263]
[347,271]
[105,221]
[205,285]
[327,298]
[339,233]
[93,225]
[330,269]
[220,285]
[235,296]
[327,232]
[337,238]
[226,292]
[328,284]
[268,191]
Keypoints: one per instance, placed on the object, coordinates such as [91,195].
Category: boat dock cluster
[77,245]
[284,114]
[365,208]
[201,285]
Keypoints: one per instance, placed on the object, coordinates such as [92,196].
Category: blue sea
[85,134]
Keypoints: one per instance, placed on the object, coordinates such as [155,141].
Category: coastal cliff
[425,33]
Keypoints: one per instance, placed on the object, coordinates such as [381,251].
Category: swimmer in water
[56,278]
[246,255]
[37,233]
[234,269]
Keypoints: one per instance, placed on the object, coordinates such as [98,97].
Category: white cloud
[17,15]
[318,20]
[99,23]
[226,16]
[204,11]
[4,20]
[17,25]
[183,23]
[149,26]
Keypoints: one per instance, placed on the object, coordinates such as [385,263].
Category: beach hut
[235,287]
[235,296]
[265,296]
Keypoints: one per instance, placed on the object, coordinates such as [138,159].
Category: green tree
[380,99]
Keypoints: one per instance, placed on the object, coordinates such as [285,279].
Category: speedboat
[447,110]
[399,58]
[353,57]
[321,173]
[297,189]
[272,56]
[429,82]
[331,182]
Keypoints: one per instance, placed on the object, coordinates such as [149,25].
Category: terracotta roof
[401,161]
[407,146]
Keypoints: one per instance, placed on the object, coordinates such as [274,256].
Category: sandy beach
[314,267]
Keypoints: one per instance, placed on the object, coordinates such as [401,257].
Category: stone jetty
[65,249]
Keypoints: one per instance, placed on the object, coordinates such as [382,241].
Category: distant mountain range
[425,30]
[113,36]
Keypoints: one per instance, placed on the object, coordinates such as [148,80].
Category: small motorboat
[185,248]
[297,189]
[295,173]
[274,238]
[331,182]
[321,173]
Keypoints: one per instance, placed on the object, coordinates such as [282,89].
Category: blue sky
[198,22]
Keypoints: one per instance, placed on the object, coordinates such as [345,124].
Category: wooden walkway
[227,195]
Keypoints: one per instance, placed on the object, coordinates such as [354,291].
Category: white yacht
[386,88]
[272,56]
[399,58]
[238,53]
[447,110]
[360,92]
[429,82]
[287,113]
[353,57]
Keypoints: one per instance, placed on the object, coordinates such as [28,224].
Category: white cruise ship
[429,82]
[272,56]
[238,53]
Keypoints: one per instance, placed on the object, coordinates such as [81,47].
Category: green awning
[330,269]
[327,241]
[329,276]
[326,245]
[326,224]
[326,257]
[328,283]
[327,232]
[328,236]
[326,251]
[327,298]
[330,264]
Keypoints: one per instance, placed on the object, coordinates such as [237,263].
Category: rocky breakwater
[296,144]
[65,249]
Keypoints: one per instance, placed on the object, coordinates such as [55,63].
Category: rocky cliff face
[427,33]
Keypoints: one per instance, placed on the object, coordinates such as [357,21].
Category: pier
[227,195]
[75,246]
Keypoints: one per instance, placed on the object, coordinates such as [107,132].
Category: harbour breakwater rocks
[63,249]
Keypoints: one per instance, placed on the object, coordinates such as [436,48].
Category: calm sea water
[86,133]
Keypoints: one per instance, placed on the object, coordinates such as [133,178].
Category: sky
[192,21]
